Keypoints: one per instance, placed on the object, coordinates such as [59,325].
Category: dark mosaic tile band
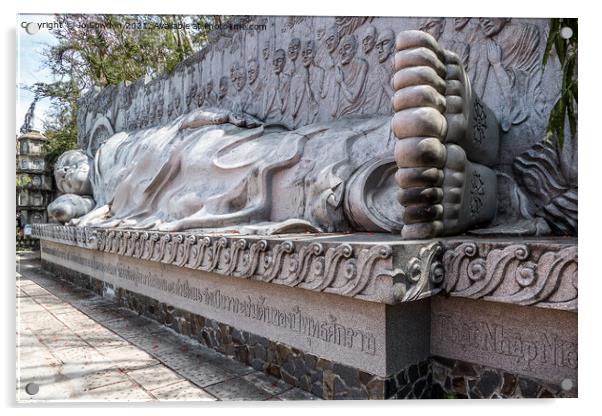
[457,379]
[435,378]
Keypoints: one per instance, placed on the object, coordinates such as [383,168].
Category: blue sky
[30,66]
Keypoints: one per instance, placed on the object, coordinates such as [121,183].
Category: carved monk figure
[460,41]
[204,170]
[378,90]
[350,76]
[292,54]
[508,51]
[255,86]
[369,39]
[223,99]
[306,87]
[276,93]
[210,95]
[191,98]
[433,26]
[329,62]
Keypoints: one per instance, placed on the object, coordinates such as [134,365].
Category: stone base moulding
[340,345]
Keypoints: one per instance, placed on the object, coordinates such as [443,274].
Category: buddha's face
[369,39]
[293,49]
[209,87]
[384,45]
[492,26]
[278,61]
[72,173]
[308,53]
[347,49]
[252,72]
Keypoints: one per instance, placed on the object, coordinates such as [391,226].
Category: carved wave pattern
[364,272]
[513,274]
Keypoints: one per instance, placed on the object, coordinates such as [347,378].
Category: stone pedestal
[363,316]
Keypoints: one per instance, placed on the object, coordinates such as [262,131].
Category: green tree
[101,50]
[565,108]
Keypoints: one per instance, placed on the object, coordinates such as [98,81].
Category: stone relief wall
[322,68]
[334,83]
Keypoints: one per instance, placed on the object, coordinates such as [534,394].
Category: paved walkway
[75,345]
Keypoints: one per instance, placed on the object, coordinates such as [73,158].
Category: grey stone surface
[534,272]
[534,342]
[238,389]
[339,328]
[317,127]
[100,371]
[378,268]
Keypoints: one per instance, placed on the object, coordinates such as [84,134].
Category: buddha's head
[72,173]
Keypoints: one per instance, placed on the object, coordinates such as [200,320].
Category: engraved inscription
[527,349]
[255,308]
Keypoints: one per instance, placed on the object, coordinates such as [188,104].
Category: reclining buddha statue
[422,169]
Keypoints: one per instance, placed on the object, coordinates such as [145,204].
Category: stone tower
[34,180]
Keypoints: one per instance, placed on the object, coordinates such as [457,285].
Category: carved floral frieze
[369,272]
[544,275]
[538,273]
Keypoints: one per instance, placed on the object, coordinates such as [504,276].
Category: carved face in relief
[332,39]
[492,26]
[191,95]
[200,98]
[385,44]
[177,105]
[160,105]
[369,39]
[209,87]
[278,61]
[233,69]
[240,79]
[266,50]
[253,71]
[71,173]
[433,26]
[293,49]
[347,49]
[460,22]
[308,53]
[223,87]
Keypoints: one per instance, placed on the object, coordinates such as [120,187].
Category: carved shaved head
[369,39]
[278,61]
[308,53]
[493,26]
[385,45]
[434,26]
[460,22]
[293,49]
[252,71]
[331,38]
[223,87]
[347,48]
